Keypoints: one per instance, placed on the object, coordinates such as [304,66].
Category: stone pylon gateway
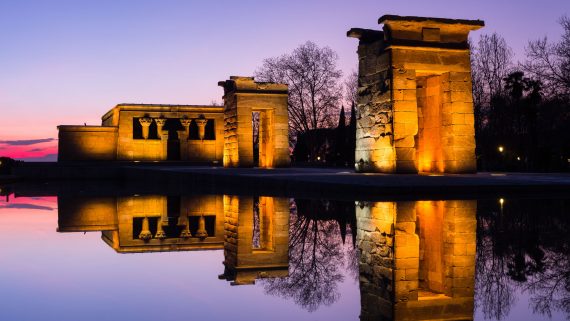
[415,103]
[242,97]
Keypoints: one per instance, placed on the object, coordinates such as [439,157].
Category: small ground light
[518,158]
[501,149]
[318,158]
[501,201]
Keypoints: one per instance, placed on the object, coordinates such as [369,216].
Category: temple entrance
[429,145]
[255,130]
[263,138]
[173,143]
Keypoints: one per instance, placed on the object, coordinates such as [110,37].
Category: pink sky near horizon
[65,62]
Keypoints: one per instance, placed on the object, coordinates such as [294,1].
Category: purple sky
[68,62]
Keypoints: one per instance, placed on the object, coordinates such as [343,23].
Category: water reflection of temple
[417,260]
[252,231]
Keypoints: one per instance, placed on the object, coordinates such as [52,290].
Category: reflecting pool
[97,256]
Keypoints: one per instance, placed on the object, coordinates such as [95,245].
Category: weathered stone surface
[417,78]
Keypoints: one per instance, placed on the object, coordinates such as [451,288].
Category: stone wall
[84,214]
[80,143]
[415,107]
[115,139]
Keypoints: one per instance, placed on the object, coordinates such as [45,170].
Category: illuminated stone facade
[242,97]
[415,104]
[417,259]
[198,134]
[252,231]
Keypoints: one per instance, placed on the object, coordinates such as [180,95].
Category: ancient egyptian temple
[191,133]
[415,104]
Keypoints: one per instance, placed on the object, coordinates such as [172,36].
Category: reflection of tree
[493,292]
[519,247]
[550,289]
[316,257]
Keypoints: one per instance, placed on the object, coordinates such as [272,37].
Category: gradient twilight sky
[69,61]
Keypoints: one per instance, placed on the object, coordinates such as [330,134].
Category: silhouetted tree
[314,89]
[550,62]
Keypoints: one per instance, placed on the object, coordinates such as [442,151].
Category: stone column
[145,123]
[201,122]
[159,125]
[183,138]
[186,124]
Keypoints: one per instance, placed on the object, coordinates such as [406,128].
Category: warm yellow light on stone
[417,259]
[501,149]
[415,106]
[242,97]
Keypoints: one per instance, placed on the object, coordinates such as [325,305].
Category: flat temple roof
[389,17]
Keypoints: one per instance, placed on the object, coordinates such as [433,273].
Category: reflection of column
[186,124]
[202,233]
[201,122]
[145,123]
[160,234]
[160,122]
[183,221]
[145,233]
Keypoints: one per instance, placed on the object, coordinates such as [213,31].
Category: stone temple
[190,133]
[415,104]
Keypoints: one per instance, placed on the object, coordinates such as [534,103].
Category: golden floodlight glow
[501,149]
[501,201]
[518,158]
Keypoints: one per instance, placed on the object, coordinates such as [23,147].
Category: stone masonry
[242,97]
[415,105]
[417,259]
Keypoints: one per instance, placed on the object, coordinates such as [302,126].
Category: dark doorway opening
[173,125]
[255,121]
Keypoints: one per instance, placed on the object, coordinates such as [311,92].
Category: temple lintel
[365,34]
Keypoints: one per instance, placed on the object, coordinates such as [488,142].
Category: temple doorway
[173,143]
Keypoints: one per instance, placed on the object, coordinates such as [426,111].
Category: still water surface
[222,257]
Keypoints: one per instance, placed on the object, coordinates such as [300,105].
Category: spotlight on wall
[501,149]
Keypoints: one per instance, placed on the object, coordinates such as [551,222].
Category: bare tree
[550,62]
[492,60]
[351,88]
[314,91]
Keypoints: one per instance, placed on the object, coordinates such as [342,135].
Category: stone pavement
[344,182]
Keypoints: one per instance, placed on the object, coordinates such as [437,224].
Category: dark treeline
[523,246]
[522,110]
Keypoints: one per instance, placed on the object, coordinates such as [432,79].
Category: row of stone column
[185,122]
[201,233]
